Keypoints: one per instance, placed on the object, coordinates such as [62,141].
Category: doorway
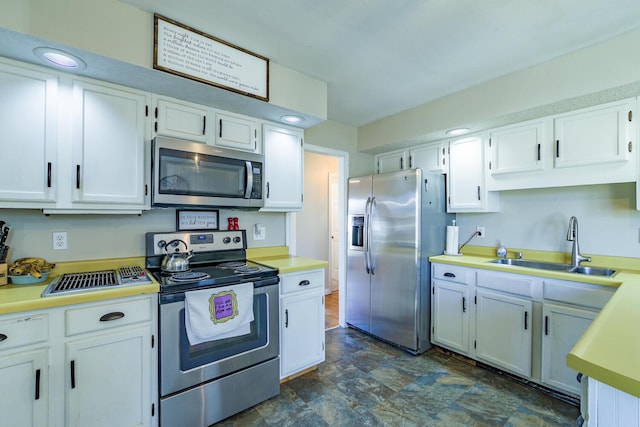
[318,230]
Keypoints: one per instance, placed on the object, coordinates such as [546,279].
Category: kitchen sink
[553,266]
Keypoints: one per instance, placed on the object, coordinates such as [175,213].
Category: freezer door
[395,292]
[358,294]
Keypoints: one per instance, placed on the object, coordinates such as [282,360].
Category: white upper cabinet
[29,126]
[183,120]
[594,136]
[237,132]
[391,162]
[518,148]
[108,152]
[467,191]
[430,158]
[283,168]
[589,146]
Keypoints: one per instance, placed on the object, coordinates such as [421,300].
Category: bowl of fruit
[26,271]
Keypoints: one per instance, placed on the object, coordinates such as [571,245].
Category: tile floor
[365,382]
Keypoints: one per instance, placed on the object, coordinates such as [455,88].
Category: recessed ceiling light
[292,119]
[457,131]
[59,58]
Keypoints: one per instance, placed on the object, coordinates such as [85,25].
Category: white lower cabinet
[88,364]
[523,324]
[301,321]
[499,316]
[450,315]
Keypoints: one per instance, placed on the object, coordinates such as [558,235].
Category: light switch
[259,232]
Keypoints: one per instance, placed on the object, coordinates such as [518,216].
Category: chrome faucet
[572,236]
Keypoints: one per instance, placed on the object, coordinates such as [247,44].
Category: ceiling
[381,57]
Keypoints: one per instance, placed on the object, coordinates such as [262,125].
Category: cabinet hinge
[630,115]
[322,299]
[433,330]
[433,291]
[301,142]
[489,142]
[630,146]
[489,165]
[153,409]
[322,345]
[378,165]
[302,198]
[475,300]
[153,341]
[155,126]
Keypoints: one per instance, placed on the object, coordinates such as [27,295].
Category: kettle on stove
[175,262]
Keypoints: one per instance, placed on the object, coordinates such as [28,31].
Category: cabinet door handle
[526,320]
[546,325]
[464,304]
[112,316]
[304,283]
[267,190]
[401,163]
[220,129]
[478,192]
[37,384]
[204,125]
[78,177]
[286,318]
[410,162]
[3,337]
[447,274]
[73,374]
[557,148]
[538,152]
[49,175]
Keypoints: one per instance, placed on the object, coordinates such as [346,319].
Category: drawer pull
[449,274]
[3,337]
[304,283]
[37,384]
[112,316]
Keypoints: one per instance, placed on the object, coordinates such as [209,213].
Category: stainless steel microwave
[186,173]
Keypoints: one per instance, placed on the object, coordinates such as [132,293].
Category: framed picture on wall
[197,219]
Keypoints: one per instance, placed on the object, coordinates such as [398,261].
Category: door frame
[290,226]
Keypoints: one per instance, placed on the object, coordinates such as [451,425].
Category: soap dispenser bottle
[501,251]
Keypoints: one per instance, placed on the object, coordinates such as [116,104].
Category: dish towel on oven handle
[217,313]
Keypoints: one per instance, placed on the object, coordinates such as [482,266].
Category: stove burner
[232,265]
[246,269]
[189,276]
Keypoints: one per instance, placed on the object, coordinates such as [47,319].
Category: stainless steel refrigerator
[396,221]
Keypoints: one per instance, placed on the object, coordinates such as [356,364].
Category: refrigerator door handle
[365,235]
[370,253]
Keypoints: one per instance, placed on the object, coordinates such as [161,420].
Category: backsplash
[538,219]
[114,236]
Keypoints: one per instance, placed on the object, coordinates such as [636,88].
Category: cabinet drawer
[453,273]
[106,316]
[294,282]
[23,330]
[515,284]
[584,294]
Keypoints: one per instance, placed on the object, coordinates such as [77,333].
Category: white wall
[538,219]
[312,223]
[114,236]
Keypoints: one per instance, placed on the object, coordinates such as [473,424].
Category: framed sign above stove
[197,219]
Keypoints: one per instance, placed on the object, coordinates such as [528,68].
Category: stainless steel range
[204,383]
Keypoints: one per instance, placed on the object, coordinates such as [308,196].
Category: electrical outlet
[480,231]
[259,232]
[59,240]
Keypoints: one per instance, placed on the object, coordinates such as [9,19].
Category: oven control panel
[196,241]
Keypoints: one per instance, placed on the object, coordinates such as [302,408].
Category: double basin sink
[552,266]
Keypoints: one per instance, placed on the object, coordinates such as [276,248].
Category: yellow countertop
[609,350]
[278,257]
[17,298]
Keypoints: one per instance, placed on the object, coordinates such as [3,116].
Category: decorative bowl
[28,279]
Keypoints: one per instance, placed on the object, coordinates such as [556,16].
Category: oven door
[183,365]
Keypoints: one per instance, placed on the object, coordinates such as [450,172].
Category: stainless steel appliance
[186,173]
[396,221]
[205,383]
